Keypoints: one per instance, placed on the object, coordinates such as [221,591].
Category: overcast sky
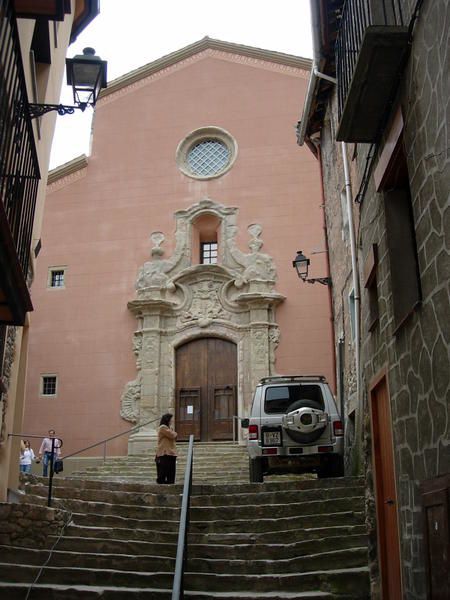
[135,32]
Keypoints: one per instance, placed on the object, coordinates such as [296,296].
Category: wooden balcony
[371,50]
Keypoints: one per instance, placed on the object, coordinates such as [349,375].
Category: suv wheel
[332,467]
[298,436]
[256,470]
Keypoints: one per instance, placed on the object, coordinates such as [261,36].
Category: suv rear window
[279,398]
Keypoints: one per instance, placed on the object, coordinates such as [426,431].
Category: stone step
[19,591]
[124,522]
[268,498]
[277,524]
[207,513]
[162,560]
[349,583]
[149,471]
[87,576]
[120,534]
[352,580]
[292,536]
[281,509]
[179,479]
[224,526]
[145,563]
[277,484]
[106,496]
[233,549]
[146,498]
[336,559]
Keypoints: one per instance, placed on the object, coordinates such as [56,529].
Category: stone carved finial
[157,237]
[255,230]
[152,276]
[258,267]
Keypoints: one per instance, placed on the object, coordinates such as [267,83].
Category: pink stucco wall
[98,223]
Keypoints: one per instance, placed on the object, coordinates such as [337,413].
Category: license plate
[272,438]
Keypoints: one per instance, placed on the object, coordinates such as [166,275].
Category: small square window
[208,252]
[48,385]
[56,277]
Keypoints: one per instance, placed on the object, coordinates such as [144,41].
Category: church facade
[165,279]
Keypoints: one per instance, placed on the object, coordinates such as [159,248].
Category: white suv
[294,426]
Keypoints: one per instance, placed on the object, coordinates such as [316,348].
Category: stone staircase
[218,462]
[288,538]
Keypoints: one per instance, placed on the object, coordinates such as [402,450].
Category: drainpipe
[330,293]
[356,288]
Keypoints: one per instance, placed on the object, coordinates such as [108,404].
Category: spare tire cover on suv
[298,436]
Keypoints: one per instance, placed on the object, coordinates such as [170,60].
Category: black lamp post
[301,265]
[86,73]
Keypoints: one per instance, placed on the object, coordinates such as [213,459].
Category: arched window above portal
[205,240]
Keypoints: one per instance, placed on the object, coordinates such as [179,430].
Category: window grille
[208,253]
[208,157]
[57,278]
[49,385]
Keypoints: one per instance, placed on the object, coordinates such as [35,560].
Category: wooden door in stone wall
[206,384]
[385,490]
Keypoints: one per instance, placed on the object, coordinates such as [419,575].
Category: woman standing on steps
[166,451]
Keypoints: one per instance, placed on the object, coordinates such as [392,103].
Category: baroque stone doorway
[179,300]
[206,383]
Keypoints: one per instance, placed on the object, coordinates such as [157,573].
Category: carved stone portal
[178,300]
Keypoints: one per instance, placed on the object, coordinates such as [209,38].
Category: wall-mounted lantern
[301,265]
[86,73]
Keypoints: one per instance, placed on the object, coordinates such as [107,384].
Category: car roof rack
[279,378]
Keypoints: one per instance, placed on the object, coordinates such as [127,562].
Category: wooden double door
[206,382]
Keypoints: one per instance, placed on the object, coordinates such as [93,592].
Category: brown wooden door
[206,377]
[386,499]
[436,523]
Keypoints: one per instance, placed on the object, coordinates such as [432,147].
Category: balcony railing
[19,174]
[370,46]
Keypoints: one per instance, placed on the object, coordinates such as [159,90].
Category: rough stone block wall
[417,354]
[29,524]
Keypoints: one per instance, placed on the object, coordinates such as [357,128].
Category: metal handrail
[52,456]
[181,559]
[52,459]
[113,437]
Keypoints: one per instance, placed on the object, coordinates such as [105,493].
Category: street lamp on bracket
[301,265]
[86,73]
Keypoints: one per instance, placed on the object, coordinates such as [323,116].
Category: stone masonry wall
[29,524]
[417,354]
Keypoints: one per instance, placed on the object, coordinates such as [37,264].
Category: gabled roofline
[204,44]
